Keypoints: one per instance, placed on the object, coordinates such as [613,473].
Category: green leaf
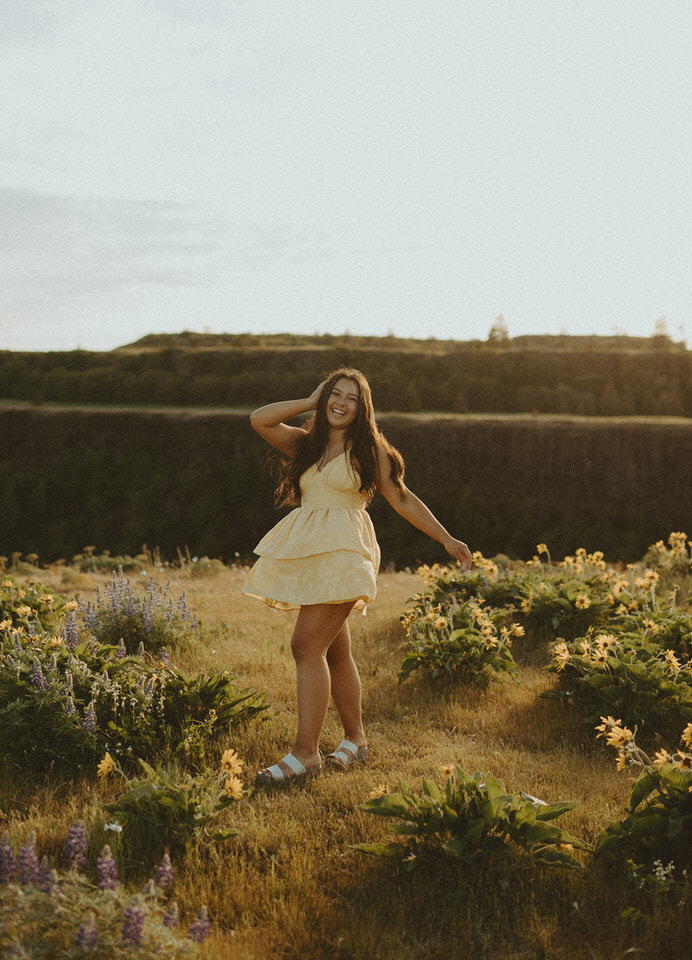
[552,810]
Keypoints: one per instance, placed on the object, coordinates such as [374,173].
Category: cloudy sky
[331,165]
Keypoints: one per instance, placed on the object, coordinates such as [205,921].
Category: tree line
[437,376]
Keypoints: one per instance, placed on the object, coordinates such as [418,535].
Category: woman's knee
[305,647]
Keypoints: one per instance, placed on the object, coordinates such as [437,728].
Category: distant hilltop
[497,339]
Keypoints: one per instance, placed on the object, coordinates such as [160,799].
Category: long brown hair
[363,436]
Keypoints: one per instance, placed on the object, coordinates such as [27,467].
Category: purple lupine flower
[200,928]
[29,870]
[88,936]
[165,874]
[133,924]
[149,889]
[8,864]
[149,687]
[71,631]
[69,682]
[70,708]
[147,619]
[164,655]
[17,644]
[49,878]
[121,650]
[140,649]
[106,870]
[171,919]
[77,845]
[89,722]
[53,663]
[40,681]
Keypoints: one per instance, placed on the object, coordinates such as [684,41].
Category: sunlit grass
[289,885]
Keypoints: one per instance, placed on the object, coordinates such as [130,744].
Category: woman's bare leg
[346,688]
[315,630]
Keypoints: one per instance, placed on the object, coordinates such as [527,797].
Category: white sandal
[273,775]
[346,754]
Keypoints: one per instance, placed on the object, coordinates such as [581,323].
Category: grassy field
[291,886]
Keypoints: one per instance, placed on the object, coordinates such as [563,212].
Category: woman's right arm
[268,421]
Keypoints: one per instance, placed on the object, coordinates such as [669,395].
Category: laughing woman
[322,558]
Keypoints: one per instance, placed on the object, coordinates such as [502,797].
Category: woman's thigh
[317,626]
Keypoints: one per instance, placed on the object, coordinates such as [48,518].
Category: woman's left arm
[415,511]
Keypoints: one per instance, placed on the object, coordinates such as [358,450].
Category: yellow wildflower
[686,737]
[650,625]
[526,604]
[231,762]
[24,611]
[671,659]
[234,787]
[71,605]
[440,623]
[621,610]
[447,769]
[106,765]
[661,757]
[7,583]
[600,657]
[610,598]
[542,548]
[5,625]
[562,655]
[56,641]
[517,630]
[621,760]
[606,724]
[47,598]
[379,791]
[582,602]
[683,761]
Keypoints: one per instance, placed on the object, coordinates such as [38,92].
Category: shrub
[469,817]
[465,644]
[151,618]
[168,807]
[659,808]
[621,674]
[44,912]
[69,701]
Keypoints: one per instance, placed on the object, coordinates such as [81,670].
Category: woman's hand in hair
[459,550]
[314,397]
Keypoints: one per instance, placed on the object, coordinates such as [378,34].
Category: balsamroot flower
[231,762]
[686,737]
[582,602]
[200,928]
[234,787]
[106,765]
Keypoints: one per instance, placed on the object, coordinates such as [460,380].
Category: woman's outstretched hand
[461,553]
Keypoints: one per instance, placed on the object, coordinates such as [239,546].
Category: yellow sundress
[325,550]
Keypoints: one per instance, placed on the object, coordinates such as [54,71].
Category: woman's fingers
[461,553]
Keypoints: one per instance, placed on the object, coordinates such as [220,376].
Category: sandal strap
[345,751]
[294,763]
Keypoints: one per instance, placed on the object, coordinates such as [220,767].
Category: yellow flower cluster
[616,736]
[582,559]
[561,654]
[487,567]
[233,767]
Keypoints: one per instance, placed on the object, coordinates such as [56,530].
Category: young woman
[322,558]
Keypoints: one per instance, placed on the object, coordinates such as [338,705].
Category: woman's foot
[347,754]
[287,770]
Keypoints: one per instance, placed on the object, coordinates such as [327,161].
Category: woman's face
[342,403]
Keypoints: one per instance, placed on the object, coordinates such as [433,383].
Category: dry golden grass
[289,885]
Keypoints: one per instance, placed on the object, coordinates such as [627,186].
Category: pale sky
[316,166]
